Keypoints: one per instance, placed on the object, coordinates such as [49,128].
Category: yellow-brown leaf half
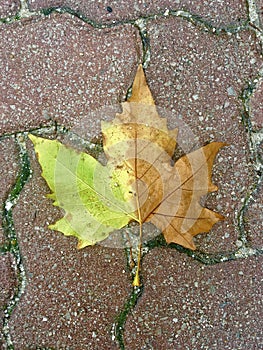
[139,146]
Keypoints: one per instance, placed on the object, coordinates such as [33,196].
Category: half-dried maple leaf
[139,183]
[139,144]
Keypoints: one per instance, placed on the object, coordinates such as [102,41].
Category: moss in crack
[255,157]
[64,9]
[12,243]
[140,24]
[205,258]
[8,225]
[118,327]
[243,235]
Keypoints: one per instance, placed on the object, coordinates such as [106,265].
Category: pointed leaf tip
[140,90]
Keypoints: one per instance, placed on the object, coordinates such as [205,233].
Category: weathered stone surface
[254,219]
[7,278]
[219,13]
[186,305]
[9,7]
[60,69]
[9,163]
[196,78]
[72,297]
[8,284]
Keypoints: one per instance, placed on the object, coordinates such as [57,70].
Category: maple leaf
[139,183]
[138,142]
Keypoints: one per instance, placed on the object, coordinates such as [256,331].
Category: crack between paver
[195,19]
[11,244]
[254,139]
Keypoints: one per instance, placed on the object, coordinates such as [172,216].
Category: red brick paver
[217,307]
[59,69]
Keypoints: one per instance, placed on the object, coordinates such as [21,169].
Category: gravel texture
[217,307]
[9,7]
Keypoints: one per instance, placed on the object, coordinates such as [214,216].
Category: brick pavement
[61,63]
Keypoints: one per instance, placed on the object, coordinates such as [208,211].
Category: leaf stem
[136,281]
